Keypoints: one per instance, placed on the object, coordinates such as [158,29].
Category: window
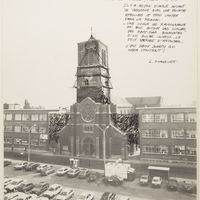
[17,141]
[148,118]
[88,128]
[8,140]
[178,150]
[35,142]
[34,129]
[34,117]
[190,134]
[155,149]
[24,141]
[17,129]
[8,116]
[25,117]
[160,117]
[191,151]
[8,128]
[43,117]
[42,129]
[190,117]
[179,117]
[179,134]
[154,133]
[18,117]
[25,129]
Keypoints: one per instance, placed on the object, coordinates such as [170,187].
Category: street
[132,189]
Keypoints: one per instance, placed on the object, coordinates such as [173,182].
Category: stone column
[110,147]
[72,145]
[97,147]
[124,152]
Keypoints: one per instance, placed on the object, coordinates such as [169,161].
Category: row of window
[20,141]
[176,134]
[175,150]
[26,117]
[178,117]
[25,129]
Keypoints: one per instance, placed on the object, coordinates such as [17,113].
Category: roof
[120,102]
[158,168]
[144,101]
[166,107]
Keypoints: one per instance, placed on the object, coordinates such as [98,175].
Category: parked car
[188,186]
[66,194]
[144,180]
[25,187]
[73,172]
[7,162]
[113,180]
[41,167]
[14,184]
[24,196]
[40,188]
[124,198]
[108,196]
[52,191]
[156,181]
[86,196]
[62,171]
[12,196]
[20,165]
[172,184]
[83,173]
[31,166]
[47,171]
[7,181]
[93,176]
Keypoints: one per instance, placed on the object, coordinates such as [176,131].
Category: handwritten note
[154,25]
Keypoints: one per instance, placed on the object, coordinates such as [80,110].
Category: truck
[122,170]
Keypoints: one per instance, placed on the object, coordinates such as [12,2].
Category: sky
[40,53]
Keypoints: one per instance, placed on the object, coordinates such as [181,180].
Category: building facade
[19,123]
[168,133]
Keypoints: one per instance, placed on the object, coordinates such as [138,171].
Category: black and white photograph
[99,100]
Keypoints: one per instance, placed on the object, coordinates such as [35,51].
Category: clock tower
[93,79]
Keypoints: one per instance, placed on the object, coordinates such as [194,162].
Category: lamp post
[29,140]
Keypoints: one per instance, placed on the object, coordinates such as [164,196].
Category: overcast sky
[40,53]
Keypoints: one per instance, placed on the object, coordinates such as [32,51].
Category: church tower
[93,79]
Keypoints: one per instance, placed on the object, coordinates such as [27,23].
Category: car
[20,165]
[52,191]
[73,172]
[40,188]
[108,196]
[47,171]
[84,173]
[41,167]
[7,181]
[172,184]
[66,194]
[144,180]
[187,186]
[86,196]
[31,166]
[156,181]
[13,195]
[62,171]
[93,176]
[124,198]
[24,196]
[7,162]
[25,187]
[113,180]
[14,184]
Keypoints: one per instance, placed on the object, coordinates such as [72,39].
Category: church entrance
[88,146]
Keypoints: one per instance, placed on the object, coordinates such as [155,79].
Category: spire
[91,37]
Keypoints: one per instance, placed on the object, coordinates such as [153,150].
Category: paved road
[132,189]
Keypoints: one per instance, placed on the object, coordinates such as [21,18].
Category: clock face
[88,113]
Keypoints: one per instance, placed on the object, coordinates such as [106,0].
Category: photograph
[99,100]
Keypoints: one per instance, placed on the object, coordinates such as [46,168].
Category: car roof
[67,189]
[55,185]
[156,177]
